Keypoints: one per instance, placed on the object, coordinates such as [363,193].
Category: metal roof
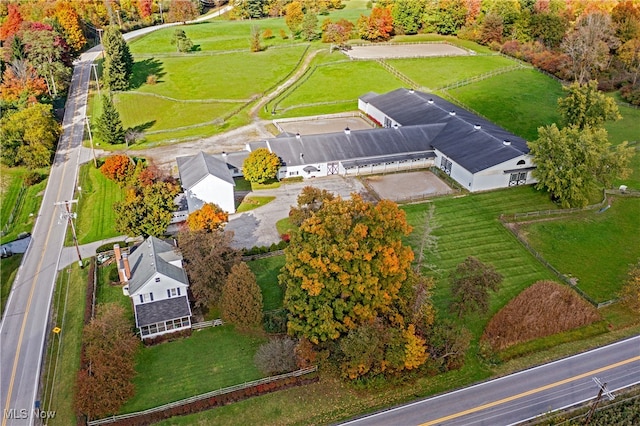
[194,168]
[151,257]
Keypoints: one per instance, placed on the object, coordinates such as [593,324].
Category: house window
[293,173]
[173,292]
[517,178]
[147,297]
[521,163]
[445,165]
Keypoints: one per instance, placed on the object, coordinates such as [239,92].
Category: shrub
[277,356]
[631,93]
[31,178]
[113,275]
[543,309]
[152,79]
[283,34]
[267,34]
[275,322]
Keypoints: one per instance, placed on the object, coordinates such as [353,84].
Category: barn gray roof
[162,310]
[343,146]
[194,168]
[151,257]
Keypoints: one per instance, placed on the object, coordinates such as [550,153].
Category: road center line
[529,392]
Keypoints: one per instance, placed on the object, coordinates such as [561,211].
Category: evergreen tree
[118,62]
[241,301]
[181,41]
[109,126]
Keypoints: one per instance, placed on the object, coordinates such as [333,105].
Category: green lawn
[8,269]
[438,72]
[520,101]
[96,219]
[469,226]
[250,203]
[25,208]
[596,248]
[63,354]
[266,271]
[210,359]
[107,293]
[628,129]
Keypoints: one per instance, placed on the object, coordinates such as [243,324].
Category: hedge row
[216,401]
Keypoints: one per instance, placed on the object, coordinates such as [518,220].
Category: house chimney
[347,131]
[127,269]
[116,252]
[506,142]
[301,157]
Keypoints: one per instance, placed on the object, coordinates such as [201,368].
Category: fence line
[15,210]
[483,76]
[406,80]
[200,397]
[206,324]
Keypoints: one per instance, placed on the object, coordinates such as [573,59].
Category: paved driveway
[258,227]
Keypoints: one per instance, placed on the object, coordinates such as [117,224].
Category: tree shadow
[144,126]
[195,48]
[143,69]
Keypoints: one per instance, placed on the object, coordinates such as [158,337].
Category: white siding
[159,289]
[214,190]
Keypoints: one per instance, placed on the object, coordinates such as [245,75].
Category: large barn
[418,130]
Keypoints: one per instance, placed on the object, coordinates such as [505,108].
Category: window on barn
[517,178]
[445,165]
[521,162]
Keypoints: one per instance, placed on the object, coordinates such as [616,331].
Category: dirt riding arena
[405,51]
[322,124]
[407,186]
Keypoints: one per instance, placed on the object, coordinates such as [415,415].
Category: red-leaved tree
[376,27]
[118,168]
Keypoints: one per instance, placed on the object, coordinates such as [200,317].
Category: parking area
[407,186]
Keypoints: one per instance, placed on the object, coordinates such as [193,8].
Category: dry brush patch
[543,309]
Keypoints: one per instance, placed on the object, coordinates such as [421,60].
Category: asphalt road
[25,322]
[525,395]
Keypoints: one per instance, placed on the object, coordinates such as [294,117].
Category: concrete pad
[407,186]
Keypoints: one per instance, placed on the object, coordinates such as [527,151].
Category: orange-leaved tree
[118,168]
[209,218]
[376,27]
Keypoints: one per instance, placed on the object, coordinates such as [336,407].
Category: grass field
[107,293]
[596,248]
[24,208]
[628,130]
[469,226]
[438,72]
[63,354]
[96,219]
[8,269]
[210,359]
[266,271]
[250,203]
[520,101]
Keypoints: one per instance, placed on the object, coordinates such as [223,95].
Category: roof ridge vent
[412,91]
[298,135]
[347,131]
[430,100]
[395,126]
[477,126]
[452,113]
[506,142]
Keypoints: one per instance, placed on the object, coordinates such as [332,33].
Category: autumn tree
[336,32]
[21,83]
[105,384]
[629,54]
[626,19]
[630,293]
[589,44]
[260,166]
[309,30]
[310,200]
[585,106]
[450,16]
[28,136]
[118,62]
[12,22]
[118,168]
[570,162]
[182,11]
[69,20]
[208,259]
[146,210]
[448,344]
[255,43]
[145,8]
[471,282]
[181,41]
[378,26]
[407,16]
[345,267]
[241,301]
[294,16]
[208,218]
[109,126]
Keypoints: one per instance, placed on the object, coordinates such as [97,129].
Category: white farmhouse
[206,179]
[157,285]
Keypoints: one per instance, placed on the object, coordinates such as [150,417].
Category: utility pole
[161,15]
[100,30]
[95,73]
[93,152]
[68,216]
[603,389]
